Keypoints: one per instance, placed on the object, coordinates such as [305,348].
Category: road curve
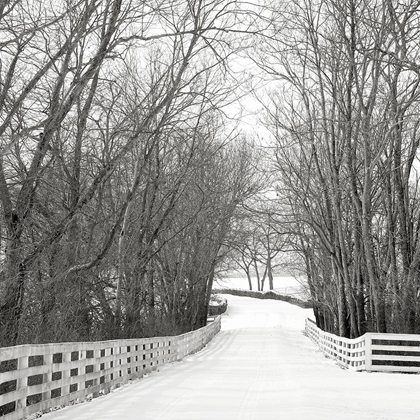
[261,367]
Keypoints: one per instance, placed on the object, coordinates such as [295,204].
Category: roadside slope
[260,367]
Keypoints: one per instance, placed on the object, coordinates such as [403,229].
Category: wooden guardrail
[350,353]
[372,352]
[35,378]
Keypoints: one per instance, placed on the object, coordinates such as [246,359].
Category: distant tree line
[345,115]
[119,170]
[255,243]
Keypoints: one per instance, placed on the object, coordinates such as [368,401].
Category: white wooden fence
[372,352]
[36,378]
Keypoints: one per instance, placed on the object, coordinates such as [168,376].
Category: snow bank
[270,294]
[284,285]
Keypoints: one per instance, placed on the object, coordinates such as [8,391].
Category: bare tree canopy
[344,115]
[118,168]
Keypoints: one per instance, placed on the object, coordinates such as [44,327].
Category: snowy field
[259,367]
[288,286]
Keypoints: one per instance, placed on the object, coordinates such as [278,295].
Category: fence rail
[372,352]
[36,378]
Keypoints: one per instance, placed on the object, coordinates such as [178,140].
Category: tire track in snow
[246,410]
[209,353]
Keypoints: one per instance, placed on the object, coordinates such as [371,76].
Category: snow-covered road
[260,367]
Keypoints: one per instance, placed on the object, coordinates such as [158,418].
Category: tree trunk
[258,275]
[270,273]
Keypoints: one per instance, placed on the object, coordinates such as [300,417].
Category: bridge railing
[35,378]
[372,352]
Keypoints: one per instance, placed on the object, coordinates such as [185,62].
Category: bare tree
[344,121]
[95,99]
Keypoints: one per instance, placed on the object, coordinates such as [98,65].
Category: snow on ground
[259,367]
[289,286]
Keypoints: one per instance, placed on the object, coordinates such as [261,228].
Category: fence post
[368,352]
[47,377]
[96,368]
[22,381]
